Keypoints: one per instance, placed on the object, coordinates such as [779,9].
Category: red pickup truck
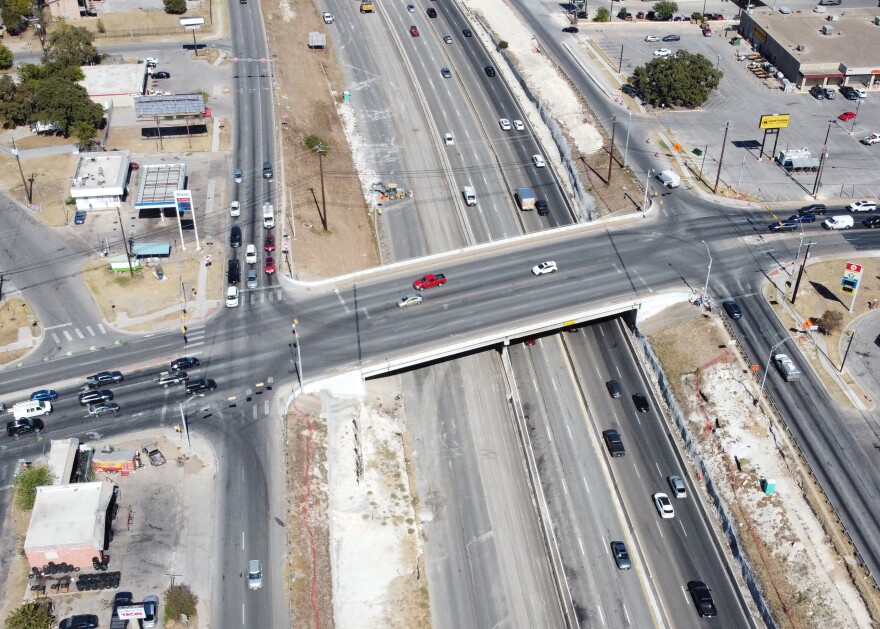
[429,281]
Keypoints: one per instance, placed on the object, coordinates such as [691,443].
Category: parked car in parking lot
[662,52]
[161,75]
[79,218]
[847,115]
[652,38]
[874,138]
[671,38]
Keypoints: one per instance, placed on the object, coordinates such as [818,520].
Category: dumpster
[736,41]
[768,486]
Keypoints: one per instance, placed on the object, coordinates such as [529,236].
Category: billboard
[183,201]
[775,121]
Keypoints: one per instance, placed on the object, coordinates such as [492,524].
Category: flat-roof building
[157,184]
[69,524]
[115,84]
[100,180]
[62,459]
[835,48]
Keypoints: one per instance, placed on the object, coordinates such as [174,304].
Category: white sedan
[652,38]
[862,206]
[328,17]
[518,125]
[538,161]
[231,297]
[664,506]
[545,267]
[662,52]
[505,124]
[448,139]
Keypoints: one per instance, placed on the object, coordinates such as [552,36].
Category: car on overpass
[621,555]
[544,268]
[614,443]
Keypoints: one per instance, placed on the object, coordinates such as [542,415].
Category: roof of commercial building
[62,456]
[114,80]
[151,249]
[100,174]
[69,515]
[174,105]
[157,183]
[854,41]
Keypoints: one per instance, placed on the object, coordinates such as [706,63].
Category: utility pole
[721,159]
[323,197]
[125,243]
[822,158]
[611,148]
[298,354]
[27,190]
[852,335]
[797,282]
[620,63]
[626,149]
[1,287]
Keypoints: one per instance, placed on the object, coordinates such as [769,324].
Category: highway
[354,322]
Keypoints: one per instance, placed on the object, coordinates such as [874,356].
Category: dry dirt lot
[51,177]
[794,554]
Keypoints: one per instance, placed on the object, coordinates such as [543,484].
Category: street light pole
[767,366]
[822,159]
[647,183]
[856,117]
[626,148]
[182,406]
[705,298]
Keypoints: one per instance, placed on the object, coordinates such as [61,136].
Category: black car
[641,402]
[702,599]
[233,272]
[817,92]
[849,93]
[541,207]
[570,29]
[817,209]
[672,38]
[202,384]
[467,32]
[613,387]
[161,75]
[23,426]
[184,362]
[267,170]
[783,226]
[235,236]
[432,12]
[621,555]
[732,309]
[95,396]
[614,443]
[80,621]
[104,377]
[871,222]
[802,218]
[490,71]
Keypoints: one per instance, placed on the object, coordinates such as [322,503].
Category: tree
[84,132]
[317,145]
[502,45]
[26,484]
[15,102]
[683,80]
[830,322]
[6,58]
[32,615]
[64,103]
[175,7]
[179,599]
[602,15]
[665,9]
[70,46]
[14,14]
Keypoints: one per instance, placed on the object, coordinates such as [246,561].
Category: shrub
[179,599]
[830,322]
[175,7]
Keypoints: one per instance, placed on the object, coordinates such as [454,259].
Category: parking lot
[154,539]
[741,99]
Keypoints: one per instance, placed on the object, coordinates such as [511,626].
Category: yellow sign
[778,121]
[760,34]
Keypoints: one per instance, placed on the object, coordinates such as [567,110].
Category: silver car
[252,279]
[151,611]
[409,300]
[677,486]
[104,407]
[255,574]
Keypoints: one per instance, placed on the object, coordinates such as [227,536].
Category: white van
[31,408]
[669,178]
[470,197]
[838,222]
[268,216]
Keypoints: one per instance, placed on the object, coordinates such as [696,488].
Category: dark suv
[849,93]
[235,236]
[104,377]
[80,621]
[614,443]
[702,599]
[23,426]
[200,385]
[184,362]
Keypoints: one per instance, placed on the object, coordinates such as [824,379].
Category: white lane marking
[101,327]
[341,300]
[55,338]
[366,313]
[67,335]
[90,330]
[79,334]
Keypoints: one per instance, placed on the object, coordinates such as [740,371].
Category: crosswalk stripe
[55,338]
[101,327]
[67,335]
[79,334]
[90,330]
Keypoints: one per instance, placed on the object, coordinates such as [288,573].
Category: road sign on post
[852,274]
